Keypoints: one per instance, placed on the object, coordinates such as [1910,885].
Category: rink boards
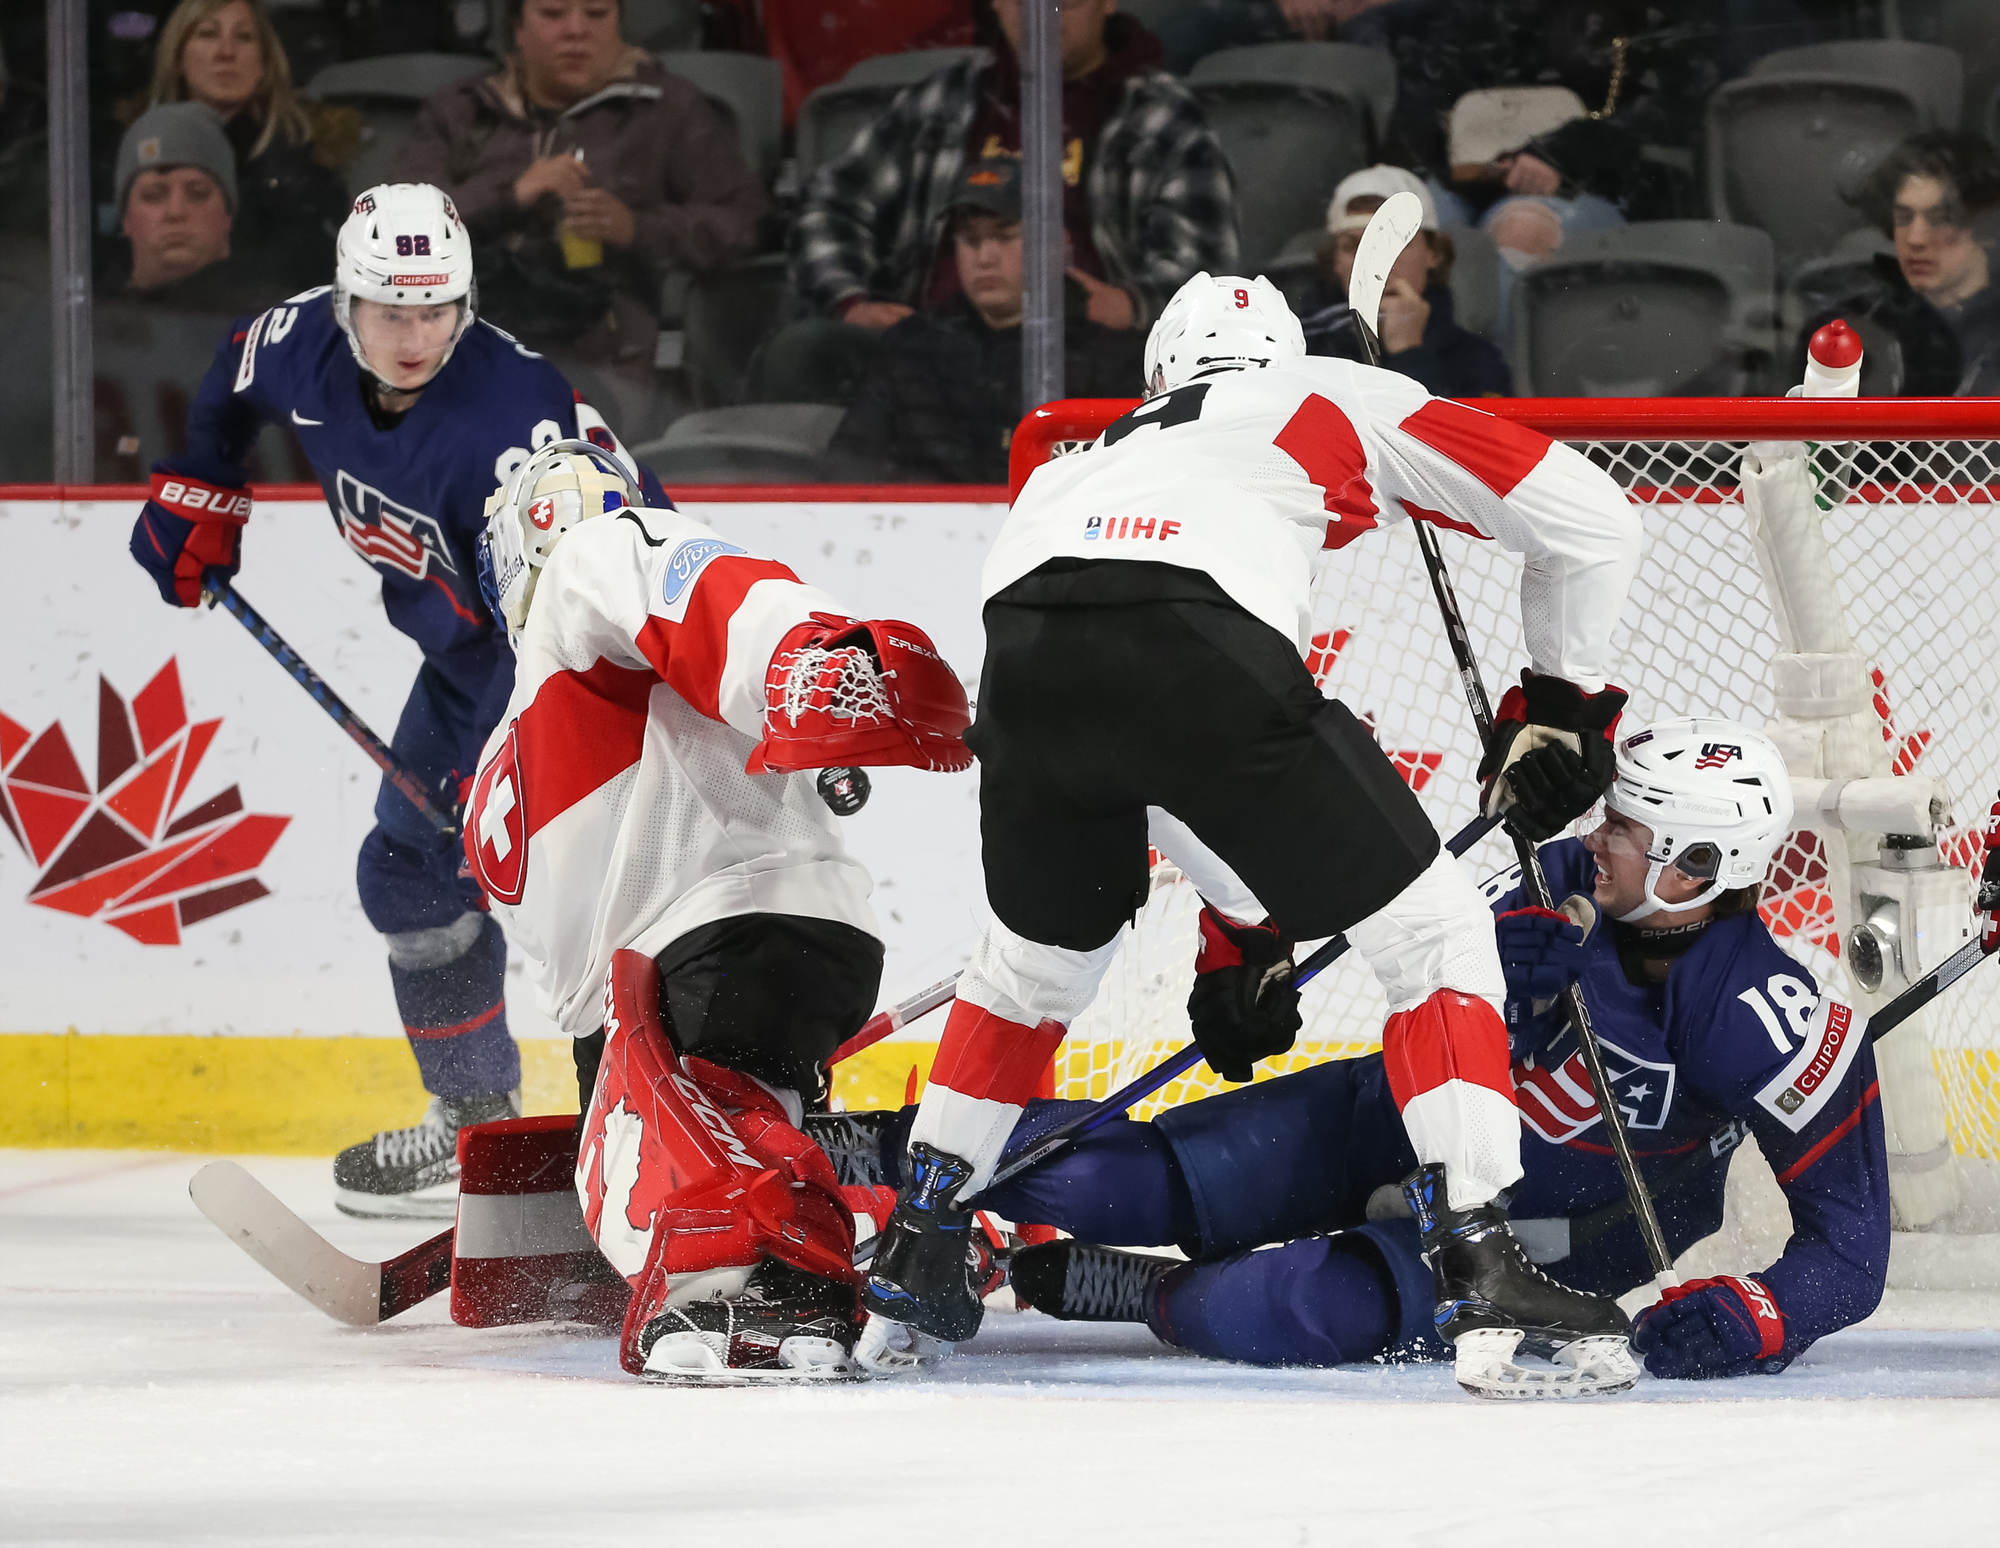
[184,960]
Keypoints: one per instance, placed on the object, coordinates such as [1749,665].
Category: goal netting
[1836,591]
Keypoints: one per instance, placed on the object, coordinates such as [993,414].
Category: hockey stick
[379,752]
[1174,1066]
[896,1017]
[1390,229]
[1537,885]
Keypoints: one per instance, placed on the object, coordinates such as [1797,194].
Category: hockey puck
[845,791]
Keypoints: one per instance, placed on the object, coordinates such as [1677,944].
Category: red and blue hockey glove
[1549,757]
[1989,885]
[1712,1327]
[1243,1006]
[1542,951]
[186,533]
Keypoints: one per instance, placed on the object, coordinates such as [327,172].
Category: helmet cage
[564,483]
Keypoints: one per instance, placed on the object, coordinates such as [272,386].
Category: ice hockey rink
[157,1387]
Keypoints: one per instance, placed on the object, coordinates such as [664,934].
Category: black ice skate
[785,1327]
[404,1174]
[926,1272]
[1079,1282]
[1492,1301]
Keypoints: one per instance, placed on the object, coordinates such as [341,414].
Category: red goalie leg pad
[521,1252]
[1451,1036]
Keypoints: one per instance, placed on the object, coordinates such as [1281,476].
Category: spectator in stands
[1929,317]
[1419,335]
[1189,32]
[1148,198]
[225,55]
[586,172]
[176,198]
[942,397]
[816,42]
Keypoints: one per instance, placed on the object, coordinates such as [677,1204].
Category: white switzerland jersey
[1248,475]
[611,808]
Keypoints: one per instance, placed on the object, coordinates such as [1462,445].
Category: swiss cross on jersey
[496,826]
[1557,1104]
[387,534]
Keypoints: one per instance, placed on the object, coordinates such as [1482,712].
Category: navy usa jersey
[1739,1039]
[409,500]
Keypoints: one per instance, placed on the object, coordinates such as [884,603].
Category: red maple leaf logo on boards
[116,851]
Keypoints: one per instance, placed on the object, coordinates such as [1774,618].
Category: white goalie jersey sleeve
[611,808]
[1249,476]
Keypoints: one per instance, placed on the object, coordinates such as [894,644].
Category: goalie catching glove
[1243,1006]
[847,693]
[187,531]
[1549,757]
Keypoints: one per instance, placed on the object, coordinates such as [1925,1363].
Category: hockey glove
[186,533]
[1243,1006]
[1542,951]
[1713,1327]
[1989,885]
[843,693]
[1549,757]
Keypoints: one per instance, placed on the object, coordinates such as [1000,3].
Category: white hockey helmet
[403,244]
[1715,794]
[564,483]
[1220,320]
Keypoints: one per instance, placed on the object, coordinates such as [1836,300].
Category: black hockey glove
[1550,756]
[1243,1006]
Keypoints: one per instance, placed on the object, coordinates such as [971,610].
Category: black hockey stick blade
[355,1291]
[1926,989]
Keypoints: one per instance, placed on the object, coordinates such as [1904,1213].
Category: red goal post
[1821,567]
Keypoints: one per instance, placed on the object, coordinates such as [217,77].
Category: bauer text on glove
[187,534]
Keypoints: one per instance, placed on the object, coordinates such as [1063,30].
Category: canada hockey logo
[114,849]
[1715,754]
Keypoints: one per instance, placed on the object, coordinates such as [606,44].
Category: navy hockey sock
[1316,1301]
[1118,1185]
[456,1018]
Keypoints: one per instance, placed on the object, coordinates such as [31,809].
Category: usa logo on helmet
[1715,754]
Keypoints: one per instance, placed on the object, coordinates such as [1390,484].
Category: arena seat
[726,314]
[1293,119]
[762,443]
[1655,309]
[387,91]
[747,89]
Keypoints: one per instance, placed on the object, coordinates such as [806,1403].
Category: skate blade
[890,1348]
[423,1205]
[690,1360]
[1585,1367]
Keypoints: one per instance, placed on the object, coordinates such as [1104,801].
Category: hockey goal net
[1822,568]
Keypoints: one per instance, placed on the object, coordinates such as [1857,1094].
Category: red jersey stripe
[581,732]
[1839,1132]
[1497,452]
[987,1056]
[1322,440]
[690,655]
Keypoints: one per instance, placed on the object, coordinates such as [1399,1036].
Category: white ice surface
[156,1387]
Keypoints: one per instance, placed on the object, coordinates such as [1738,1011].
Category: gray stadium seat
[1791,145]
[761,443]
[1971,28]
[1293,119]
[726,315]
[832,115]
[1655,309]
[748,89]
[387,91]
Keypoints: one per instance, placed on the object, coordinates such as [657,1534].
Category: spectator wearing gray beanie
[176,194]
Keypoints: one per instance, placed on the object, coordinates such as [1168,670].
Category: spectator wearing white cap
[1420,336]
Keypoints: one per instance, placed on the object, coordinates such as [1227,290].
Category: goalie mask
[403,244]
[1220,320]
[564,483]
[1716,796]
